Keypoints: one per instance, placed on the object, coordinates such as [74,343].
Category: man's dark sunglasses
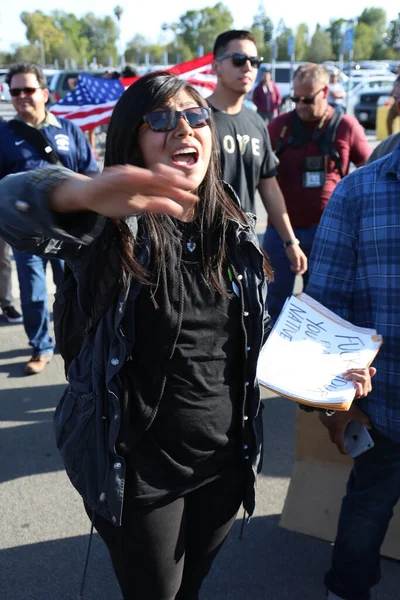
[28,91]
[304,99]
[239,59]
[167,120]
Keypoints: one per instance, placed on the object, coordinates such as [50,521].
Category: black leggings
[165,553]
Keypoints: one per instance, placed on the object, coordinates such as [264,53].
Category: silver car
[4,90]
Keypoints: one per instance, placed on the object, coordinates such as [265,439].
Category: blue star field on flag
[93,90]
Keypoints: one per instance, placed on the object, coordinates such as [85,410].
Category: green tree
[139,46]
[76,45]
[382,52]
[262,24]
[393,37]
[264,51]
[179,52]
[281,40]
[66,51]
[22,52]
[258,35]
[201,27]
[42,31]
[154,52]
[364,41]
[374,18]
[336,31]
[301,42]
[320,46]
[136,48]
[102,35]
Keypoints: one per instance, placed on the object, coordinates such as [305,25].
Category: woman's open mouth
[185,157]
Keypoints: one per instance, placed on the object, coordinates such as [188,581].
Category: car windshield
[370,84]
[282,75]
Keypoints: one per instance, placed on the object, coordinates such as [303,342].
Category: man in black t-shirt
[248,162]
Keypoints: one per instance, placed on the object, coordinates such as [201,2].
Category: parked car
[49,74]
[58,82]
[5,95]
[365,109]
[358,74]
[368,84]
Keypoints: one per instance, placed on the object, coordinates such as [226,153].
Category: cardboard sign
[318,484]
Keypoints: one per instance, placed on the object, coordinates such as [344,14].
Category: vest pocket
[73,419]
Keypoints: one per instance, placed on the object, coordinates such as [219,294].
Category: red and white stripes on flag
[87,116]
[198,73]
[90,104]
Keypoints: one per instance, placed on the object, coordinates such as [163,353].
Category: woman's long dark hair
[216,208]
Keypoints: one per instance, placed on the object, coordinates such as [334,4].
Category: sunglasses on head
[28,91]
[239,59]
[167,120]
[304,99]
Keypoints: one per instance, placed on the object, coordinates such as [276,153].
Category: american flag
[92,101]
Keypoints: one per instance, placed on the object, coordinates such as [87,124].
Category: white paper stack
[308,351]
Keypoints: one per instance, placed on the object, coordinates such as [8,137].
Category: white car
[5,95]
[369,83]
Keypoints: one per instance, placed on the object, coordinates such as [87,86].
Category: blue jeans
[283,283]
[32,284]
[339,107]
[372,492]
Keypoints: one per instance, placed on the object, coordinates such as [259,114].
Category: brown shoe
[37,363]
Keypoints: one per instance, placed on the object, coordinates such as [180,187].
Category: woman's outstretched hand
[126,190]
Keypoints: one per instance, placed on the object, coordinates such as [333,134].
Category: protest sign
[308,351]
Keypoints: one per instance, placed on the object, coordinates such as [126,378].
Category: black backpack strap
[326,139]
[35,138]
[299,135]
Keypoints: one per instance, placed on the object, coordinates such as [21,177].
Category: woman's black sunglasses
[239,59]
[167,120]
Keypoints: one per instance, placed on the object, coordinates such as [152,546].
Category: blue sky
[147,18]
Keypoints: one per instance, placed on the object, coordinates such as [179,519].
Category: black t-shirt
[246,153]
[195,434]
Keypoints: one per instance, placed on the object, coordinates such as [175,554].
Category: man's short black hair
[223,40]
[26,67]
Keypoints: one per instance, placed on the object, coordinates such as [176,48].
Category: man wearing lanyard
[267,97]
[315,146]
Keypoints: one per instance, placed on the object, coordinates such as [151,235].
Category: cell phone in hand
[357,439]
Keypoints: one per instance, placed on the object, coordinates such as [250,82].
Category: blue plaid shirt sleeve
[334,255]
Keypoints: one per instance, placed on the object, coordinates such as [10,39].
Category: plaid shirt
[355,271]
